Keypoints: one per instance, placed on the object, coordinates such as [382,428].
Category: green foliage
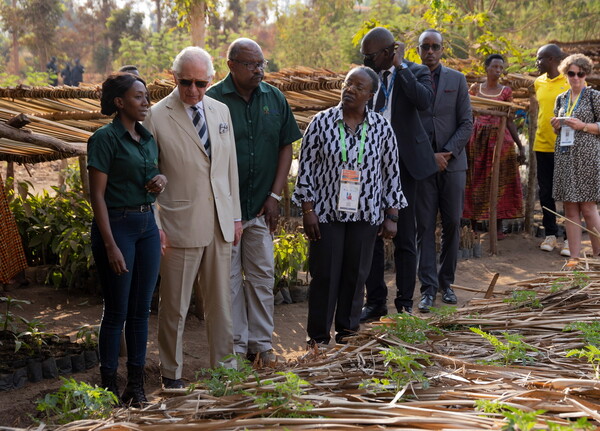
[32,78]
[88,336]
[580,424]
[592,354]
[9,318]
[35,332]
[225,381]
[283,397]
[444,312]
[490,406]
[56,231]
[408,328]
[518,420]
[76,401]
[589,330]
[290,251]
[403,367]
[513,351]
[521,298]
[574,279]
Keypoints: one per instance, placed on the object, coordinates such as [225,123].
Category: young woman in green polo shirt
[124,182]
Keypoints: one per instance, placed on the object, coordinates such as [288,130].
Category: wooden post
[85,179]
[10,178]
[532,171]
[494,187]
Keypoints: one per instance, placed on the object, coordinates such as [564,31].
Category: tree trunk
[197,20]
[532,171]
[493,228]
[15,46]
[158,16]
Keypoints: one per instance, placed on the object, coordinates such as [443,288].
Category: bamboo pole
[494,186]
[532,171]
[562,217]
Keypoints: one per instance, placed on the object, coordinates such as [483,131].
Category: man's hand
[163,241]
[310,221]
[399,57]
[442,160]
[237,235]
[270,209]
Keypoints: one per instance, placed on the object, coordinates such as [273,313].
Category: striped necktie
[201,128]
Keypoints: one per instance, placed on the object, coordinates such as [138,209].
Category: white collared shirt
[387,114]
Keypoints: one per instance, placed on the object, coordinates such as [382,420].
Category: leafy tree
[124,22]
[42,18]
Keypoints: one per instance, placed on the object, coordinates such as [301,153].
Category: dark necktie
[380,102]
[201,128]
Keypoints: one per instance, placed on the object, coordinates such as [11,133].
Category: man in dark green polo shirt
[264,129]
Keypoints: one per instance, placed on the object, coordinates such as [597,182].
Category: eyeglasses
[353,85]
[572,74]
[253,66]
[427,46]
[376,53]
[189,82]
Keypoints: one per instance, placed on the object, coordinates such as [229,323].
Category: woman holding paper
[577,155]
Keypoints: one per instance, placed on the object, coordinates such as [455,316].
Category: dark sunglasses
[189,82]
[579,74]
[434,46]
[374,54]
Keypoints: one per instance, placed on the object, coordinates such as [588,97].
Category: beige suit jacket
[197,184]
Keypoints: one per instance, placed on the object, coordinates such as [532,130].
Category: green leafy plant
[402,367]
[9,318]
[56,231]
[574,279]
[284,396]
[578,425]
[592,354]
[76,401]
[514,350]
[408,328]
[88,336]
[290,251]
[520,420]
[589,330]
[225,381]
[520,298]
[490,406]
[36,334]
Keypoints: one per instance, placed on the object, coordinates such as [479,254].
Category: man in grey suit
[448,123]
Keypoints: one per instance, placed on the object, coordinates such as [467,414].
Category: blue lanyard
[387,90]
[568,109]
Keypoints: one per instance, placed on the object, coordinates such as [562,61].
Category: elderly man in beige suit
[199,213]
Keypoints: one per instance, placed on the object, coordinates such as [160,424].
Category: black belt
[138,209]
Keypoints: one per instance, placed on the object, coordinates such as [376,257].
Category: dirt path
[63,312]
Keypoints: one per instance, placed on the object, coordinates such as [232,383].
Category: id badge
[349,191]
[567,135]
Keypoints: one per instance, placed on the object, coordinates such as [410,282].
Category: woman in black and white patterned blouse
[349,188]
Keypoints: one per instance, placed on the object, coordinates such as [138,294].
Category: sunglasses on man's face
[189,82]
[579,74]
[434,46]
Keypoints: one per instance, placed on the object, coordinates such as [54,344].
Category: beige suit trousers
[205,269]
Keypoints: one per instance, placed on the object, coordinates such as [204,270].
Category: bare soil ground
[64,311]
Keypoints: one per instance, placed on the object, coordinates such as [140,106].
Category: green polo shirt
[128,164]
[261,128]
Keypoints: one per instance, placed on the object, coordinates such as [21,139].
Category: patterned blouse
[321,164]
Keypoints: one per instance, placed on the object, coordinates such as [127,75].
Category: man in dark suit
[405,89]
[448,123]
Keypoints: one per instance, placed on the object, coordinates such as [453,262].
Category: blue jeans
[127,297]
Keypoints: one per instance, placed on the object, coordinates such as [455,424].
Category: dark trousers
[127,297]
[405,254]
[545,177]
[443,192]
[339,264]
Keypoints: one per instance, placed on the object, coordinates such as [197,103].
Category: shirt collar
[199,105]
[122,131]
[229,86]
[339,116]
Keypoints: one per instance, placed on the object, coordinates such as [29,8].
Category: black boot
[134,395]
[109,381]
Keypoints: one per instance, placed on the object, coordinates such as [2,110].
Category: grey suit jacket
[449,122]
[201,191]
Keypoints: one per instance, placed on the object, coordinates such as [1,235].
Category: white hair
[193,53]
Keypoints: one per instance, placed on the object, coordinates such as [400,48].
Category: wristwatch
[403,66]
[392,217]
[585,128]
[275,196]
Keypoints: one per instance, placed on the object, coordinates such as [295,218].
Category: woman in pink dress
[480,152]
